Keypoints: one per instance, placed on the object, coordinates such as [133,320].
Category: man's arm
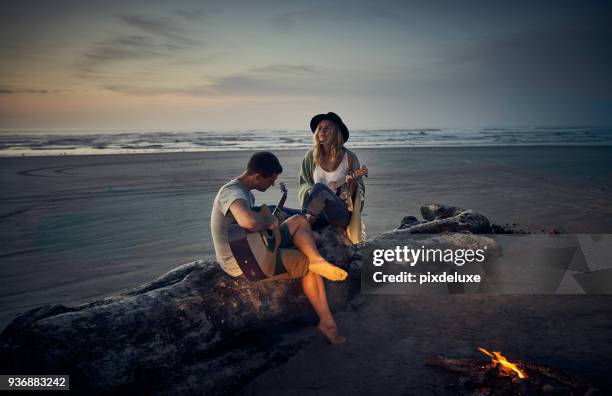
[250,219]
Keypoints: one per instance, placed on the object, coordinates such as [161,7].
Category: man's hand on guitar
[273,222]
[270,220]
[253,220]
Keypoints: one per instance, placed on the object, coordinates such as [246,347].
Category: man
[235,202]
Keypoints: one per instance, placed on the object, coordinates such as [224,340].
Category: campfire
[505,367]
[500,377]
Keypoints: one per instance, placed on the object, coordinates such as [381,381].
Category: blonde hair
[337,152]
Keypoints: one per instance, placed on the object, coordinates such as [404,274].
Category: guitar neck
[281,203]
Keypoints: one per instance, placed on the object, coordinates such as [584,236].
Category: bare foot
[331,332]
[327,270]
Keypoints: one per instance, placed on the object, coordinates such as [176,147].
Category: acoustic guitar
[254,251]
[347,190]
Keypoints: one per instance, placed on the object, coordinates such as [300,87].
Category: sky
[229,65]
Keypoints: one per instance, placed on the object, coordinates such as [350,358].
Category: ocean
[67,143]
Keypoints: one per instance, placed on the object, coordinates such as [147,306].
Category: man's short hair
[264,163]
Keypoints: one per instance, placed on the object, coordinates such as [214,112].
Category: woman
[331,185]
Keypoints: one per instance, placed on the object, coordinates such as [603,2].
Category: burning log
[468,367]
[501,377]
[556,375]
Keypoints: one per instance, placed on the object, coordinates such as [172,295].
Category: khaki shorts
[290,262]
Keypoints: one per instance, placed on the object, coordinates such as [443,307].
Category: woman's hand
[351,177]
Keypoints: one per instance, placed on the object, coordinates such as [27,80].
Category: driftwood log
[441,218]
[195,330]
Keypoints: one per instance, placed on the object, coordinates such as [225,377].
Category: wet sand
[77,228]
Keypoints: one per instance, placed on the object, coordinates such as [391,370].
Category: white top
[333,179]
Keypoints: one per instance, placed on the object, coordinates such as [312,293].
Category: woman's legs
[312,282]
[329,208]
[314,289]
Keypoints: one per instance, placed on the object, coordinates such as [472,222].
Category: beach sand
[390,337]
[77,228]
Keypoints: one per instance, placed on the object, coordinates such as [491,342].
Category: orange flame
[506,367]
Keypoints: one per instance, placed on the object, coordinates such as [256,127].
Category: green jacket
[308,167]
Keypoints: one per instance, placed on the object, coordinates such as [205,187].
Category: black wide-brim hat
[331,117]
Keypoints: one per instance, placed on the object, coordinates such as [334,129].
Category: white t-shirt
[333,179]
[220,219]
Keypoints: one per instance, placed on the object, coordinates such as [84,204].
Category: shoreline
[247,150]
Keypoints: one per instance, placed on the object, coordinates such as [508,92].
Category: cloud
[9,91]
[274,79]
[566,61]
[330,13]
[161,27]
[286,69]
[153,39]
[121,49]
[195,15]
[269,80]
[139,90]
